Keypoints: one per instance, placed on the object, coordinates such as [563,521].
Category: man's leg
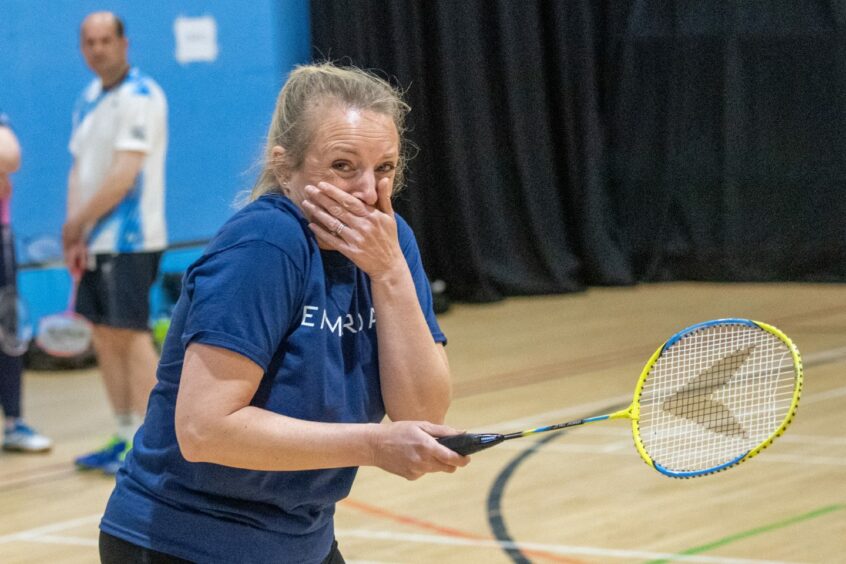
[127,360]
[116,298]
[110,360]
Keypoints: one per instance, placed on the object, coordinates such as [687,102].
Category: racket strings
[714,395]
[695,400]
[64,334]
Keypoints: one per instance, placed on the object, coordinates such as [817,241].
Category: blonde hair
[310,86]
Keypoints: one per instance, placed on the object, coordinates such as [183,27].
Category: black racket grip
[468,443]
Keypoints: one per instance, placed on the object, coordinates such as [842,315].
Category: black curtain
[571,143]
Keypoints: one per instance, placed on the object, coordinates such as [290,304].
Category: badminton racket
[15,326]
[67,333]
[712,396]
[41,251]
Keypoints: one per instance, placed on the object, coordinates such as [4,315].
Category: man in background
[115,232]
[17,435]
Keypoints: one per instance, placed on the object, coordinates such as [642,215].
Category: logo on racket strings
[695,401]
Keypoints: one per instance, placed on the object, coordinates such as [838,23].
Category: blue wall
[219,111]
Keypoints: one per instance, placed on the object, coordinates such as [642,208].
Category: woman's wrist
[372,440]
[391,276]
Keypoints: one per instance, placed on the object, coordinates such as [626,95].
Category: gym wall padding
[568,144]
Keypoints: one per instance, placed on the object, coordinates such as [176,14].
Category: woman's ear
[278,164]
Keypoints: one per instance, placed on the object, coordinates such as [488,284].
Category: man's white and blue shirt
[130,116]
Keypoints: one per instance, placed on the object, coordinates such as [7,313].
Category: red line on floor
[446,531]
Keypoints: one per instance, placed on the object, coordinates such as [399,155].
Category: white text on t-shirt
[342,323]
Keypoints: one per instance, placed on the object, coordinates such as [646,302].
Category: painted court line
[56,539]
[38,476]
[42,534]
[685,554]
[31,534]
[444,532]
[823,396]
[824,357]
[819,440]
[348,561]
[529,547]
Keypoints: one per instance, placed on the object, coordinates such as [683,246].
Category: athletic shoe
[112,466]
[111,453]
[23,438]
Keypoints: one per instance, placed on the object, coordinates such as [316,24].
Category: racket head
[15,325]
[715,395]
[65,334]
[42,248]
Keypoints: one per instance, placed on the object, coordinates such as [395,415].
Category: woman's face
[351,149]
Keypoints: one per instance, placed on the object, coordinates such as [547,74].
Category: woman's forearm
[413,368]
[257,439]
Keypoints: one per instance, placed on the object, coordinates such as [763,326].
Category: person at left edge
[17,435]
[115,229]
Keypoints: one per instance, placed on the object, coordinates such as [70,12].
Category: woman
[306,320]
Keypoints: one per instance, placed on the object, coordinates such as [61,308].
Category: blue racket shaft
[468,443]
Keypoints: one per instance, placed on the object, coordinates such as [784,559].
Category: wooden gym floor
[579,496]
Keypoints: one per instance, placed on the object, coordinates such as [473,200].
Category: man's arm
[116,185]
[76,256]
[73,192]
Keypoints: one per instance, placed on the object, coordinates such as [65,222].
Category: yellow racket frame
[633,411]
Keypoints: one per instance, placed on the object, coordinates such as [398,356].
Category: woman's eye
[387,167]
[342,166]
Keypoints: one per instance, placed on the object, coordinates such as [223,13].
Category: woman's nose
[365,189]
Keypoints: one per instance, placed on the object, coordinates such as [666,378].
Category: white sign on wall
[196,39]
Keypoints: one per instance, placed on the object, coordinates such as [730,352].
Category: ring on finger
[339,229]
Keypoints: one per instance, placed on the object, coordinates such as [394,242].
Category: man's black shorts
[117,292]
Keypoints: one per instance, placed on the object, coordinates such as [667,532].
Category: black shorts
[117,292]
[118,551]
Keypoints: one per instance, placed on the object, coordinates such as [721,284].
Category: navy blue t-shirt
[262,289]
